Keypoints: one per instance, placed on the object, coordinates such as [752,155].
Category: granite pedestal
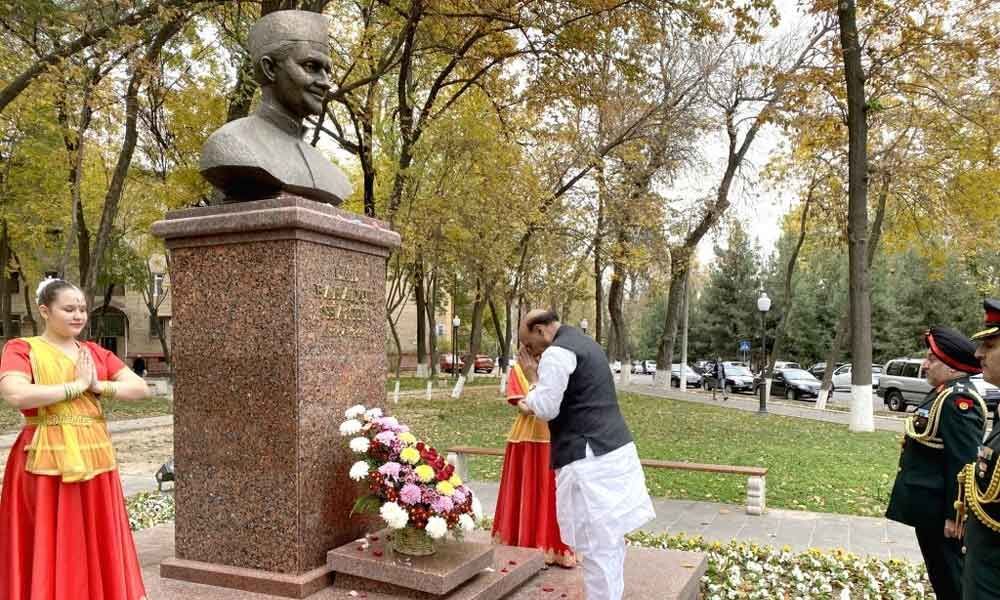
[278,326]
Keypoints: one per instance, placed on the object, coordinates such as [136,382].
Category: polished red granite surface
[372,557]
[278,327]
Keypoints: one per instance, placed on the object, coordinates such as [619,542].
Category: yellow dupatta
[71,437]
[527,428]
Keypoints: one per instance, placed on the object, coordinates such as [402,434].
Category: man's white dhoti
[598,500]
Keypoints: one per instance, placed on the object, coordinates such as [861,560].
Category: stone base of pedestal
[510,568]
[248,580]
[373,558]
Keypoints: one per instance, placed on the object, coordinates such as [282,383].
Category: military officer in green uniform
[940,438]
[979,503]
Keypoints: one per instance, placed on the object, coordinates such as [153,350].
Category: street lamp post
[763,305]
[455,323]
[583,325]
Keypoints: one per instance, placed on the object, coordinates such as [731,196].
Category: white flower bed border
[749,571]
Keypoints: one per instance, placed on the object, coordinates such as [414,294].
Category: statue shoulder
[328,176]
[231,144]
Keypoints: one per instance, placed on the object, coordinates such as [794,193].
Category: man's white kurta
[598,498]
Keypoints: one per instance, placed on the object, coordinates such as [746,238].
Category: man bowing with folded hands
[600,487]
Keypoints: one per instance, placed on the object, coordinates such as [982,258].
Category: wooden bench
[756,476]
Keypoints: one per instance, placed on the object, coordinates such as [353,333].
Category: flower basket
[412,542]
[409,483]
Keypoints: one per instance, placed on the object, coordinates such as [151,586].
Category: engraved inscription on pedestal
[347,302]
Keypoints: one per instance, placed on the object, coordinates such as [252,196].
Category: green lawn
[409,384]
[812,465]
[116,410]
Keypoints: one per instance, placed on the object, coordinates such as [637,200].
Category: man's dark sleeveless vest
[589,411]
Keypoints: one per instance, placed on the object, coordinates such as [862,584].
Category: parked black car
[738,378]
[793,384]
[819,369]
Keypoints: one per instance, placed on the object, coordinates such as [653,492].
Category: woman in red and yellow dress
[64,532]
[526,505]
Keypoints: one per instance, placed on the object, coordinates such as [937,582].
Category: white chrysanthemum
[477,508]
[466,523]
[355,411]
[373,413]
[394,515]
[350,427]
[359,470]
[359,445]
[436,528]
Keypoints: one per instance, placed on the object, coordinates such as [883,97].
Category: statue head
[291,58]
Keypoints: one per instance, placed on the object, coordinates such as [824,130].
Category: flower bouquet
[410,485]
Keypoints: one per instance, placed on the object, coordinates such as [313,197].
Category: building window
[158,279]
[110,324]
[164,326]
[14,283]
[15,327]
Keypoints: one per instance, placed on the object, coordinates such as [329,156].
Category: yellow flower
[407,438]
[445,489]
[425,473]
[455,481]
[410,455]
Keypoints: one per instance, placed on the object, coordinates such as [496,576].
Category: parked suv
[903,383]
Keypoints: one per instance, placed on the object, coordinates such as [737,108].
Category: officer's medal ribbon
[983,458]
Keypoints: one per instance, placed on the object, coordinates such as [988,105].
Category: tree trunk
[366,151]
[432,325]
[421,301]
[476,335]
[862,418]
[5,280]
[399,345]
[83,244]
[616,301]
[117,186]
[74,149]
[29,318]
[680,263]
[843,325]
[503,336]
[241,97]
[779,334]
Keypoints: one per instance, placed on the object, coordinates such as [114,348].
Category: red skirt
[526,505]
[64,541]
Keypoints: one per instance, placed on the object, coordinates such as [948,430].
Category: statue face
[302,79]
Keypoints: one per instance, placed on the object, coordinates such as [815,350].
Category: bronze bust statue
[263,154]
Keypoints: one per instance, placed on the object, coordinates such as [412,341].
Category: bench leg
[461,463]
[756,494]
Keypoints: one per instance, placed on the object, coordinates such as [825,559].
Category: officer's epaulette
[959,388]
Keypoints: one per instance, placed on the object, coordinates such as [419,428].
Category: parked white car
[842,377]
[616,366]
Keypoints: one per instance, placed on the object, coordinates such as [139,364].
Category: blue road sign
[744,345]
